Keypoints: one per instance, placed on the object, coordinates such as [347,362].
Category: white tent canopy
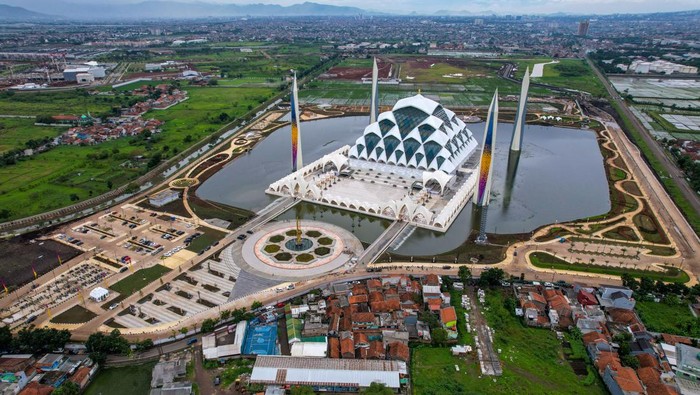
[99,294]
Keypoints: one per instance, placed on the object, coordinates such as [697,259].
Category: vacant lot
[75,315]
[133,380]
[533,362]
[15,132]
[19,254]
[673,319]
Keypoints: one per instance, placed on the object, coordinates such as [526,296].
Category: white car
[113,306]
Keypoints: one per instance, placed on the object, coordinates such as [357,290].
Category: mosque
[417,163]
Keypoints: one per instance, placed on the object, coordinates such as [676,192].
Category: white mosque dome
[417,133]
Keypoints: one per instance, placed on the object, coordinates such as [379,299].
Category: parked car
[192,341]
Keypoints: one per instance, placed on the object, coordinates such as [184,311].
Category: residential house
[615,296]
[398,352]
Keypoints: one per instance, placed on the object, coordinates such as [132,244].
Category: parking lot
[204,286]
[132,236]
[76,281]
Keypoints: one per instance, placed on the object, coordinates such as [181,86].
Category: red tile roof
[431,279]
[358,299]
[363,317]
[376,350]
[386,306]
[448,314]
[537,298]
[593,337]
[648,361]
[34,388]
[586,298]
[374,284]
[376,296]
[347,348]
[399,351]
[333,347]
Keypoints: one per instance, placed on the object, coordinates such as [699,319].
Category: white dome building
[417,133]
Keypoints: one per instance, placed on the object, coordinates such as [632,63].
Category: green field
[568,73]
[547,261]
[47,181]
[208,237]
[673,319]
[138,280]
[533,362]
[15,132]
[69,174]
[134,380]
[75,315]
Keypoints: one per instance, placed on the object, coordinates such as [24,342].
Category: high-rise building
[583,27]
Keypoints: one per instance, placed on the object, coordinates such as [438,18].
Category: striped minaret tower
[517,143]
[483,192]
[374,105]
[296,133]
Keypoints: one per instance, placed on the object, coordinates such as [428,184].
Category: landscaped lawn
[208,237]
[132,380]
[533,363]
[547,261]
[673,319]
[138,280]
[75,315]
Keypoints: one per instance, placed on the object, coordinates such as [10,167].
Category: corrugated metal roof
[321,371]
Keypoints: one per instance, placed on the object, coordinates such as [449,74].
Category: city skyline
[455,7]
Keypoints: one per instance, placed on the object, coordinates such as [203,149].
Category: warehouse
[331,375]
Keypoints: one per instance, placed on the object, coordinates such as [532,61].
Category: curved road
[667,163]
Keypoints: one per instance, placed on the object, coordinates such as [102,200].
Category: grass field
[138,280]
[15,132]
[547,261]
[69,174]
[661,317]
[568,73]
[75,315]
[134,380]
[47,181]
[208,237]
[533,363]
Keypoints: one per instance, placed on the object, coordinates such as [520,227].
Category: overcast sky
[476,6]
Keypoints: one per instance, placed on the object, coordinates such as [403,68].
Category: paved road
[666,162]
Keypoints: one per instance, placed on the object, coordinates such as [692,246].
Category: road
[667,163]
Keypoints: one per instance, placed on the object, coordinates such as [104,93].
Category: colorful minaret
[517,142]
[374,105]
[483,193]
[296,134]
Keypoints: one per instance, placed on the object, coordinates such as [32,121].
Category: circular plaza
[280,250]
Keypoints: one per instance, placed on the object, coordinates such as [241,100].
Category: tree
[67,388]
[377,389]
[301,390]
[439,336]
[630,282]
[225,315]
[631,361]
[208,325]
[5,338]
[256,305]
[491,277]
[100,345]
[144,345]
[465,274]
[447,283]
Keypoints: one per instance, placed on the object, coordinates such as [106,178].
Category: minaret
[517,142]
[374,104]
[481,198]
[296,134]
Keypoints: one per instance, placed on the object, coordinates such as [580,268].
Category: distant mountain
[12,13]
[179,10]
